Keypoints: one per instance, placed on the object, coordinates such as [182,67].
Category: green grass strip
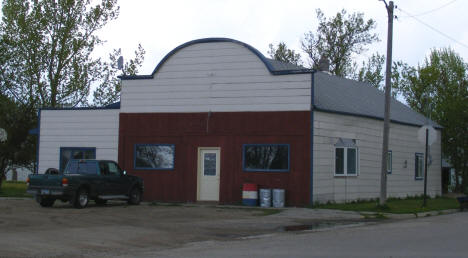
[398,206]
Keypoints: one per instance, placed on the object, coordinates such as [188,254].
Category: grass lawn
[400,206]
[13,189]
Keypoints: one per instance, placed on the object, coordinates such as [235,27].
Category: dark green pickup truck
[85,180]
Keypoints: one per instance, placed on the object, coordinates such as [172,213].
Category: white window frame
[418,156]
[389,162]
[345,161]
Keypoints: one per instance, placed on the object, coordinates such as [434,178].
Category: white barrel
[265,197]
[278,198]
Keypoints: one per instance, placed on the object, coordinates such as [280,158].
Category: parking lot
[26,229]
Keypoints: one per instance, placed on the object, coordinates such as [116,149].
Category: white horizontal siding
[218,77]
[403,143]
[77,128]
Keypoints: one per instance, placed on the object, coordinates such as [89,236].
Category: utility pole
[388,87]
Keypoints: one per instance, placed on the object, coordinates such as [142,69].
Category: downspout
[312,91]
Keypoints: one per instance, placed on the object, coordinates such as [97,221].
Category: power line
[434,29]
[430,11]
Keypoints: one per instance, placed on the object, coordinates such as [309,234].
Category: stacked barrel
[249,194]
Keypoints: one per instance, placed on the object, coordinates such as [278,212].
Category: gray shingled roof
[283,66]
[336,94]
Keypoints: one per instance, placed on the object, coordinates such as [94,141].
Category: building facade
[215,113]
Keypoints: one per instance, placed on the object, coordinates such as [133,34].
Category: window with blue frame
[68,153]
[266,157]
[419,166]
[154,156]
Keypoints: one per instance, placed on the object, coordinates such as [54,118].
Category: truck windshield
[81,167]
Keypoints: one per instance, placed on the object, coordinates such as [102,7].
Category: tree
[108,91]
[372,71]
[338,39]
[284,54]
[439,88]
[47,59]
[18,149]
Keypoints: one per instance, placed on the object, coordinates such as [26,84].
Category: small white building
[215,113]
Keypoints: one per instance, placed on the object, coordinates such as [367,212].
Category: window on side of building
[154,156]
[419,166]
[346,158]
[389,162]
[68,153]
[266,157]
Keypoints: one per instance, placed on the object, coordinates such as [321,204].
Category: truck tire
[81,198]
[45,202]
[134,198]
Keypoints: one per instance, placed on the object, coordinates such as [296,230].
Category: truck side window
[104,168]
[113,169]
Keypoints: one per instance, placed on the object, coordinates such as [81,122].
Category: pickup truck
[85,180]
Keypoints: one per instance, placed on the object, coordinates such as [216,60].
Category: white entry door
[208,173]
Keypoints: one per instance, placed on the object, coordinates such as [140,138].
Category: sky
[161,26]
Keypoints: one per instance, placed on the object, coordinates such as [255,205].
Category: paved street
[197,230]
[436,236]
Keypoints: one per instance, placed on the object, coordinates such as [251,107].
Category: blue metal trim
[415,166]
[266,170]
[391,162]
[312,96]
[115,105]
[74,149]
[33,131]
[38,139]
[162,144]
[213,40]
[367,116]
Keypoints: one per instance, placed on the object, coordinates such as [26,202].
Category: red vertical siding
[229,131]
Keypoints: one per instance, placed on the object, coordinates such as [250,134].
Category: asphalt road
[436,236]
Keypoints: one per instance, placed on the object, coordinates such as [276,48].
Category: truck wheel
[81,198]
[45,202]
[134,197]
[100,201]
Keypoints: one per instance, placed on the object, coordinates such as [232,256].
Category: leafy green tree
[339,38]
[284,54]
[16,120]
[47,59]
[108,91]
[372,71]
[49,45]
[439,88]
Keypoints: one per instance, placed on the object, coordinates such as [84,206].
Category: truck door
[117,184]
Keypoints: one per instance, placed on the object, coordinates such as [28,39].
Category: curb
[410,215]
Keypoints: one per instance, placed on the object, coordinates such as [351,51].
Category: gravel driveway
[26,229]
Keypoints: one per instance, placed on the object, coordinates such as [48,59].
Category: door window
[209,165]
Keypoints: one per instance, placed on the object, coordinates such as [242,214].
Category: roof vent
[324,64]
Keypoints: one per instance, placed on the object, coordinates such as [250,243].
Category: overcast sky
[161,26]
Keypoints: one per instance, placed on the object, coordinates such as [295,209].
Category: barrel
[265,197]
[249,194]
[278,198]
